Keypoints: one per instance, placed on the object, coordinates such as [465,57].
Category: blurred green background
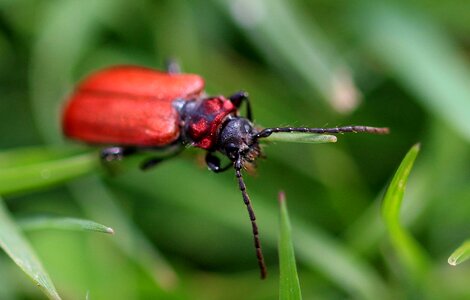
[182,232]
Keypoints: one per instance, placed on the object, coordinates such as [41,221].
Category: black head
[237,140]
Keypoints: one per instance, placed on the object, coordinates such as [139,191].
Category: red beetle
[139,109]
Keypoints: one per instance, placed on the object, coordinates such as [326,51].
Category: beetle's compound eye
[232,151]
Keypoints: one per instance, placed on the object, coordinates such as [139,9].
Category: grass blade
[17,247]
[30,155]
[62,223]
[289,286]
[24,176]
[309,138]
[408,250]
[460,255]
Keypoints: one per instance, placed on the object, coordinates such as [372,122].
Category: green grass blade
[289,286]
[310,138]
[460,255]
[23,176]
[408,250]
[62,223]
[30,155]
[17,247]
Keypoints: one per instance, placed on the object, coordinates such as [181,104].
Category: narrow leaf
[24,156]
[296,137]
[17,247]
[460,255]
[63,223]
[408,250]
[46,173]
[30,168]
[289,286]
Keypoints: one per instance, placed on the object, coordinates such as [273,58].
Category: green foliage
[182,232]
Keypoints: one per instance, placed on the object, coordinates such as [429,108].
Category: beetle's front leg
[213,163]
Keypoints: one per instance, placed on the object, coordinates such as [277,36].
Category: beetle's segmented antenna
[268,131]
[251,213]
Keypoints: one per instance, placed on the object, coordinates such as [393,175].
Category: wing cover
[128,105]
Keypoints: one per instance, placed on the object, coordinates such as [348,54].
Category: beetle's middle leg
[153,161]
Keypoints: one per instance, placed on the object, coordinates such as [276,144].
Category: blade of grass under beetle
[408,250]
[25,169]
[310,138]
[460,255]
[30,155]
[17,247]
[63,223]
[43,174]
[289,286]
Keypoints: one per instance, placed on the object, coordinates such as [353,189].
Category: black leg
[152,162]
[213,163]
[237,100]
[116,153]
[172,66]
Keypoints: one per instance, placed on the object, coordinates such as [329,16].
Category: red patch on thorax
[205,121]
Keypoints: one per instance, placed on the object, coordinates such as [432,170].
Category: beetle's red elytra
[131,108]
[128,105]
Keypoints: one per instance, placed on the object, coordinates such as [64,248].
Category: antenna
[251,213]
[375,130]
